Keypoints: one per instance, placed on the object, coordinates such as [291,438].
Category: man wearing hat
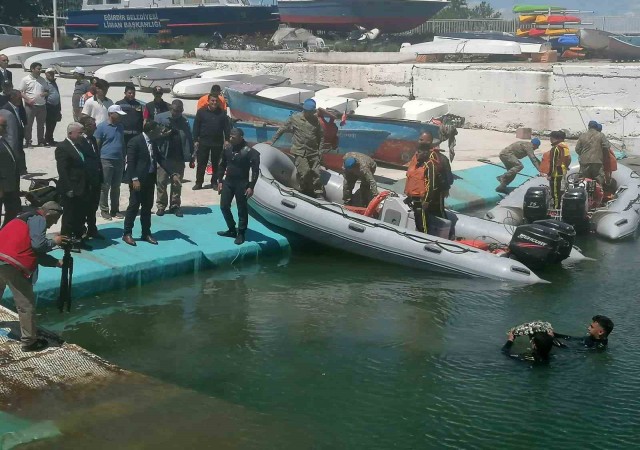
[23,246]
[306,145]
[157,106]
[53,106]
[80,88]
[359,167]
[110,138]
[511,157]
[591,148]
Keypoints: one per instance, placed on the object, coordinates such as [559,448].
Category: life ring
[372,207]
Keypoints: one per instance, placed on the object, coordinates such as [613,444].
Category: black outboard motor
[567,236]
[536,203]
[575,207]
[535,245]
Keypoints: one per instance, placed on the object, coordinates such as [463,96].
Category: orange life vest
[203,102]
[330,130]
[416,183]
[561,164]
[610,162]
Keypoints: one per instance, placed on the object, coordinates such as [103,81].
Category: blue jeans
[112,171]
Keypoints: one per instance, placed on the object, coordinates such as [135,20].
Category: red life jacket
[15,245]
[330,130]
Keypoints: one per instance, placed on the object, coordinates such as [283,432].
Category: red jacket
[15,246]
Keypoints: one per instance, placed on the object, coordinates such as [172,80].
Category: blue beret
[309,105]
[536,141]
[349,162]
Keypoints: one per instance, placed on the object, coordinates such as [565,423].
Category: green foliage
[24,12]
[459,9]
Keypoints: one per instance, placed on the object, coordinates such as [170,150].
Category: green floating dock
[188,244]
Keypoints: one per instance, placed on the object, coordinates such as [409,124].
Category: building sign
[131,21]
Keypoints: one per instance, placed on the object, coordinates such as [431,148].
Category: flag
[343,120]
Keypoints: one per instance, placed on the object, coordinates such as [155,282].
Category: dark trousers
[229,191]
[420,215]
[556,190]
[204,151]
[10,202]
[53,112]
[142,201]
[127,137]
[73,217]
[92,203]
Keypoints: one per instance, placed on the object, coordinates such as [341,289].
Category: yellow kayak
[560,31]
[521,32]
[541,20]
[527,18]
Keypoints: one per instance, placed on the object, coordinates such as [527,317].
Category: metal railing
[613,24]
[462,25]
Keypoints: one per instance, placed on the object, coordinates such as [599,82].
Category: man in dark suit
[5,75]
[9,177]
[13,112]
[143,158]
[72,178]
[93,167]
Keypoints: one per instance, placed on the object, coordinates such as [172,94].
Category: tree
[485,11]
[457,9]
[24,12]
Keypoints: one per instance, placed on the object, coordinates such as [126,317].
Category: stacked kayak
[532,9]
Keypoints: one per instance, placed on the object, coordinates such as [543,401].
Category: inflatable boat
[616,218]
[389,235]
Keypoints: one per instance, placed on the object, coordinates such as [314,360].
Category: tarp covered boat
[331,223]
[624,47]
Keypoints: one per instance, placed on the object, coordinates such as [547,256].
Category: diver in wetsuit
[541,342]
[597,335]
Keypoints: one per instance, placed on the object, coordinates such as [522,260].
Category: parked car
[9,36]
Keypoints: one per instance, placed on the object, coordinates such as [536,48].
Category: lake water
[352,354]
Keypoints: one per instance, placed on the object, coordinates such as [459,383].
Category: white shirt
[33,88]
[97,109]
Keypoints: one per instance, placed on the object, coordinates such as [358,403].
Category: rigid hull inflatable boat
[391,238]
[618,218]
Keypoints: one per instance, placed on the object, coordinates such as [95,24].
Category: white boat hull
[120,74]
[358,57]
[197,87]
[446,46]
[620,219]
[330,224]
[19,53]
[246,55]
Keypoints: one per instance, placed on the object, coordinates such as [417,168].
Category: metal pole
[55,25]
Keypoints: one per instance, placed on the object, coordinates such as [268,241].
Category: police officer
[306,145]
[591,148]
[233,181]
[359,167]
[423,187]
[132,121]
[24,245]
[511,157]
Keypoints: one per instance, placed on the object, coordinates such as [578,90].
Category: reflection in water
[358,355]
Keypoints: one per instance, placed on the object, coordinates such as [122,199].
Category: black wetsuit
[526,357]
[588,341]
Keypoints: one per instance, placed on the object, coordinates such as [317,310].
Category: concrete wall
[500,97]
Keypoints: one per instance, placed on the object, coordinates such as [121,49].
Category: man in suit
[5,75]
[9,177]
[6,90]
[15,127]
[143,158]
[93,167]
[72,178]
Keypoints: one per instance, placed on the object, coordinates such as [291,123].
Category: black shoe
[240,238]
[228,233]
[39,344]
[160,212]
[117,215]
[196,187]
[96,235]
[106,215]
[177,212]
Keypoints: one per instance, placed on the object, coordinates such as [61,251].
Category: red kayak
[562,19]
[536,32]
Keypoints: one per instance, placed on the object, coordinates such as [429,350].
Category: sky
[600,7]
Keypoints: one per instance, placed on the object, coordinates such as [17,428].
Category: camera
[72,242]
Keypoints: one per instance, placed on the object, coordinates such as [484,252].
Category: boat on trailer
[386,234]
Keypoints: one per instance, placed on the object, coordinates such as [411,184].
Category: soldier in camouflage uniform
[306,145]
[359,167]
[511,157]
[591,148]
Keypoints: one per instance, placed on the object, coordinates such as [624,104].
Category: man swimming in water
[597,334]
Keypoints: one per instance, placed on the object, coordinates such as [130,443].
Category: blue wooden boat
[363,141]
[397,149]
[624,48]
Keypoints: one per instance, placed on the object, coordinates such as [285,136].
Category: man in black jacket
[233,181]
[176,149]
[13,111]
[6,90]
[5,75]
[132,121]
[143,158]
[156,106]
[9,177]
[72,179]
[210,132]
[93,168]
